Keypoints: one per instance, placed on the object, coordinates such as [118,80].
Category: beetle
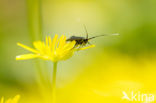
[82,41]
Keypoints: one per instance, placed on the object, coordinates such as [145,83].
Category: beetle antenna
[102,35]
[96,36]
[85,31]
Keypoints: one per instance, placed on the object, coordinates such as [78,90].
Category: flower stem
[54,82]
[35,19]
[35,27]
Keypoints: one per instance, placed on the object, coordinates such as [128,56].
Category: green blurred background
[117,63]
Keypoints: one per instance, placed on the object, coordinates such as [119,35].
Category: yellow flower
[11,100]
[53,49]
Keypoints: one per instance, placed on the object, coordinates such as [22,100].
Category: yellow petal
[16,98]
[8,101]
[2,100]
[69,45]
[27,48]
[67,55]
[62,41]
[54,42]
[49,39]
[26,56]
[67,48]
[38,45]
[90,46]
